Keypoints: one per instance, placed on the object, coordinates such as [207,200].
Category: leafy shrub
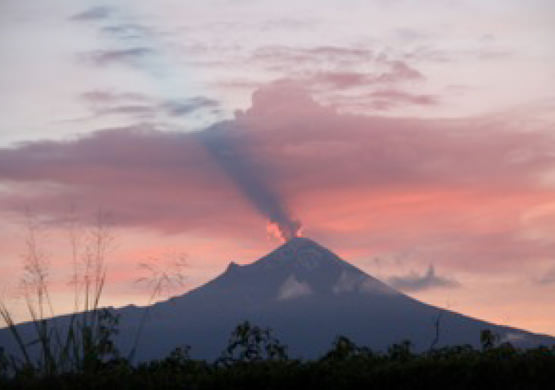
[251,364]
[250,343]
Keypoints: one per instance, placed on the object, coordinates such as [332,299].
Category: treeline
[255,359]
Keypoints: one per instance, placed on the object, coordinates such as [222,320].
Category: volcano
[308,296]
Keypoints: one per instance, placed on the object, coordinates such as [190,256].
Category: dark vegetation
[255,359]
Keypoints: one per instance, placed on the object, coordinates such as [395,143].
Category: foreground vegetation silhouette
[255,359]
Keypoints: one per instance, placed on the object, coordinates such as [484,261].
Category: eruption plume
[223,144]
[280,232]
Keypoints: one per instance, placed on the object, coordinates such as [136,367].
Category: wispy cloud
[345,80]
[103,102]
[334,67]
[107,97]
[117,56]
[186,106]
[94,13]
[288,55]
[127,31]
[418,282]
[387,98]
[292,288]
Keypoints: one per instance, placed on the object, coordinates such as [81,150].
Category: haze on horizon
[417,141]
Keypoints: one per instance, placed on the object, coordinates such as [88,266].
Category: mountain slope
[308,296]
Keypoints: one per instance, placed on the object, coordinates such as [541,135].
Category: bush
[251,364]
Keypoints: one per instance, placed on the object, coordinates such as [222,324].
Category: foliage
[3,363]
[251,344]
[345,366]
[344,349]
[488,339]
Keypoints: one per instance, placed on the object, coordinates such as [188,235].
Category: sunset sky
[416,139]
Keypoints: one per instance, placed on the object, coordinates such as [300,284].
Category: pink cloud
[288,55]
[340,80]
[393,96]
[456,189]
[397,71]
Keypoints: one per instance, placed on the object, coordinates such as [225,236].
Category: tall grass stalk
[86,337]
[159,279]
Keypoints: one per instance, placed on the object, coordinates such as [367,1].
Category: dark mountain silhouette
[308,296]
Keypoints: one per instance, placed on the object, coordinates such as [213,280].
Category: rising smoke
[232,156]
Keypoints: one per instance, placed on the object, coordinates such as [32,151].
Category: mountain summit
[299,268]
[308,296]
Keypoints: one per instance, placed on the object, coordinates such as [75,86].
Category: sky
[414,139]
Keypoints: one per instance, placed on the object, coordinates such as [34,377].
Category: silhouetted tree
[488,339]
[343,349]
[249,343]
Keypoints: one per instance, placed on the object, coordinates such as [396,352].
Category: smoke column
[222,143]
[226,151]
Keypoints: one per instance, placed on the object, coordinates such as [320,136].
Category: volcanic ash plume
[223,144]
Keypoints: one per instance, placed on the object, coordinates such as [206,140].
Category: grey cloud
[392,97]
[493,53]
[279,56]
[434,54]
[187,106]
[416,282]
[105,97]
[429,54]
[287,24]
[397,71]
[127,31]
[126,56]
[384,99]
[93,13]
[136,110]
[104,102]
[411,35]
